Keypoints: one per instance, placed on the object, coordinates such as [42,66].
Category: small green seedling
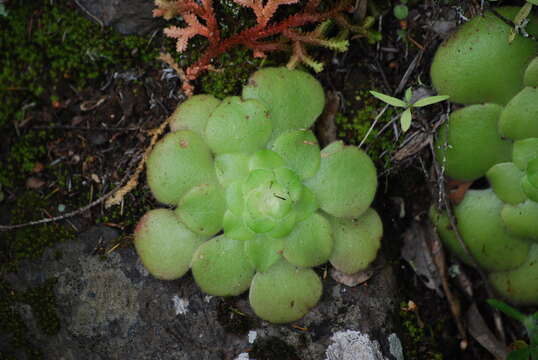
[531,325]
[400,11]
[407,116]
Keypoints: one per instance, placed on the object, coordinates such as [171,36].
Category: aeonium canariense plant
[495,136]
[257,203]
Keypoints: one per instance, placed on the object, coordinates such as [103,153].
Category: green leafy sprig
[406,116]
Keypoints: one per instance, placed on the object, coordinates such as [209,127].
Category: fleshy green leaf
[178,162]
[300,150]
[202,209]
[235,228]
[430,100]
[532,172]
[238,125]
[265,159]
[220,267]
[346,181]
[405,119]
[284,293]
[165,245]
[389,99]
[231,167]
[310,243]
[263,251]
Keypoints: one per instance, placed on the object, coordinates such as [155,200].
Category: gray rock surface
[126,16]
[111,308]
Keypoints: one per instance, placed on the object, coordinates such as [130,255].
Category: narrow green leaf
[523,13]
[507,309]
[408,95]
[405,120]
[533,2]
[389,99]
[430,100]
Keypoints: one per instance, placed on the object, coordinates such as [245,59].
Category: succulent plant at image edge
[257,203]
[496,136]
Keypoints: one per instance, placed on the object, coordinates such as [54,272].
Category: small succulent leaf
[178,162]
[238,125]
[284,226]
[346,182]
[202,209]
[502,177]
[272,201]
[295,98]
[235,228]
[306,205]
[405,120]
[265,159]
[263,251]
[234,197]
[259,223]
[389,99]
[231,167]
[193,113]
[532,172]
[290,181]
[165,245]
[356,241]
[448,236]
[460,137]
[257,178]
[300,150]
[530,78]
[408,95]
[284,293]
[430,100]
[524,151]
[494,247]
[310,243]
[529,189]
[220,267]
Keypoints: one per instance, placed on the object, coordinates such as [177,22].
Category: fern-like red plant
[200,19]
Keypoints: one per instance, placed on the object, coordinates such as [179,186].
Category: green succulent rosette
[495,136]
[256,202]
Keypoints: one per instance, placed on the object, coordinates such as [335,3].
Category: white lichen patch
[181,305]
[252,335]
[353,345]
[395,347]
[242,356]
